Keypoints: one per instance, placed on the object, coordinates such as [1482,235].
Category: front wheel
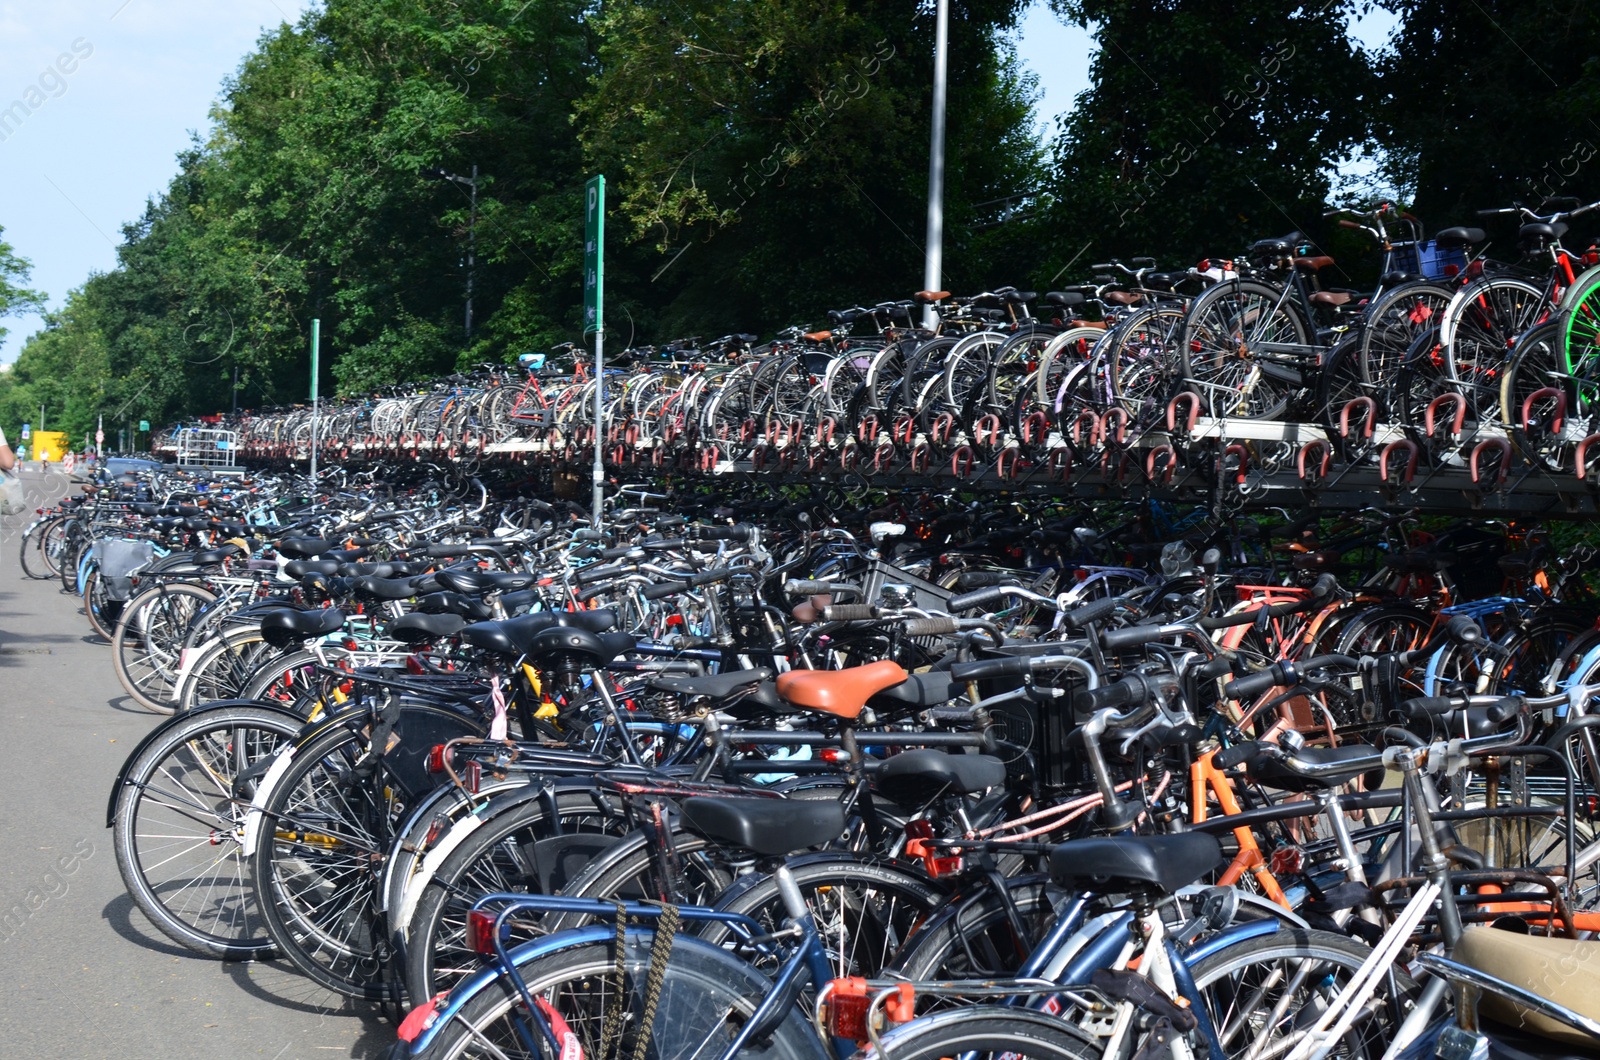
[703,997]
[1262,994]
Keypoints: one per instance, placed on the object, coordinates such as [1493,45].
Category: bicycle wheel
[1392,324]
[1580,339]
[1478,331]
[1339,384]
[986,1032]
[33,561]
[177,824]
[1142,359]
[53,544]
[519,850]
[1262,993]
[865,909]
[1223,346]
[98,607]
[703,997]
[224,667]
[147,645]
[1535,369]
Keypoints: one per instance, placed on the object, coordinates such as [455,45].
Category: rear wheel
[178,822]
[1225,349]
[147,645]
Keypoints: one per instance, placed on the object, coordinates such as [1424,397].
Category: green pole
[316,344]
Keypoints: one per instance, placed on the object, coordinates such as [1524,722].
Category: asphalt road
[82,973]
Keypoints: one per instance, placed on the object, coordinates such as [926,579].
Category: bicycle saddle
[282,629]
[770,827]
[594,649]
[1458,237]
[1162,863]
[842,693]
[1559,970]
[416,627]
[385,588]
[917,777]
[305,547]
[454,604]
[916,692]
[716,685]
[211,557]
[299,568]
[472,580]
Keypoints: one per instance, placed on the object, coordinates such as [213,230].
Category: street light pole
[933,261]
[471,184]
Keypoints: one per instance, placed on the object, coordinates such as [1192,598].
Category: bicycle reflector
[847,1009]
[480,931]
[436,758]
[919,836]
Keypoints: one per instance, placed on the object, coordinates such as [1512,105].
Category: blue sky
[144,74]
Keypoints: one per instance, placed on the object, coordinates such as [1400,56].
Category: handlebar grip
[595,574]
[726,533]
[660,589]
[807,587]
[1239,753]
[1129,636]
[444,551]
[667,522]
[1130,691]
[711,577]
[615,553]
[1347,223]
[1079,617]
[849,613]
[1427,706]
[595,592]
[1259,682]
[588,535]
[1221,666]
[930,627]
[977,598]
[1224,621]
[1324,587]
[1464,629]
[981,669]
[664,544]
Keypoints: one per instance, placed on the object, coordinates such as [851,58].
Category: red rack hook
[1411,461]
[1120,414]
[920,456]
[1061,463]
[1457,418]
[1368,421]
[1504,447]
[961,462]
[986,432]
[1544,394]
[1036,428]
[1093,419]
[867,429]
[1190,398]
[1005,464]
[1322,467]
[1244,462]
[944,426]
[1169,465]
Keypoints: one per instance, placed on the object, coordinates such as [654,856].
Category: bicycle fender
[1231,936]
[282,760]
[166,723]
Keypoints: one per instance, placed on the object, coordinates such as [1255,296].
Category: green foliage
[1206,126]
[14,271]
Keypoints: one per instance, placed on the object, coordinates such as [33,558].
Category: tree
[1205,126]
[14,298]
[1489,103]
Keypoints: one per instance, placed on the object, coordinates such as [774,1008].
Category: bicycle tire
[703,993]
[98,607]
[146,646]
[506,851]
[985,1032]
[866,909]
[1479,327]
[212,909]
[330,821]
[1247,971]
[32,555]
[1220,335]
[55,536]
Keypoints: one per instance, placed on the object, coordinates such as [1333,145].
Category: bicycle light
[480,931]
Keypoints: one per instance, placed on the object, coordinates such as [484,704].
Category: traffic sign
[26,431]
[144,425]
[594,240]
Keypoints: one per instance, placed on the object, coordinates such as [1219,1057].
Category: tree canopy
[768,161]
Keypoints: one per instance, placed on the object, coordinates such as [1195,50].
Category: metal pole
[599,426]
[41,415]
[933,262]
[316,343]
[472,249]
